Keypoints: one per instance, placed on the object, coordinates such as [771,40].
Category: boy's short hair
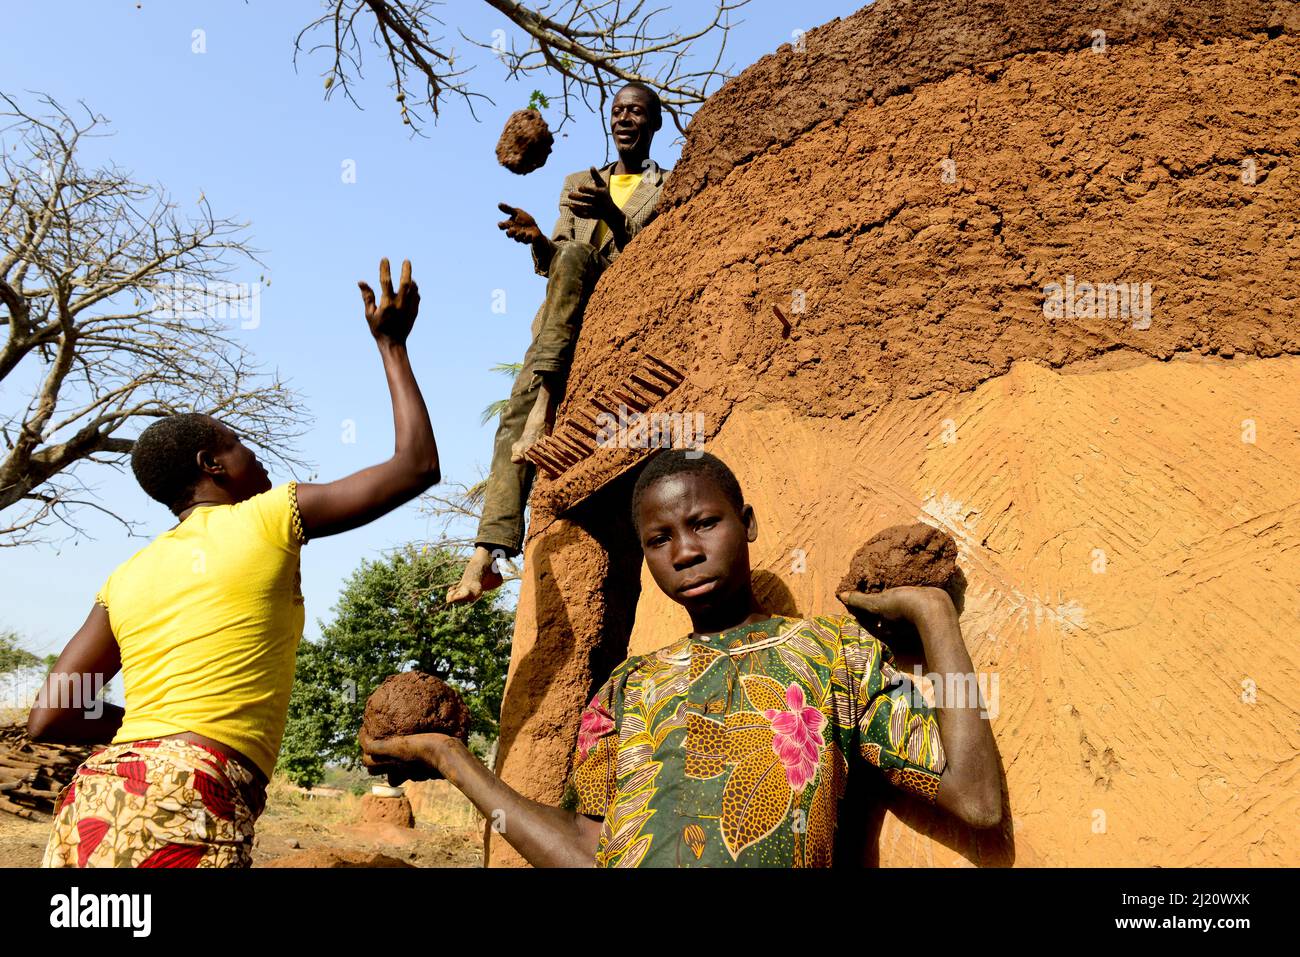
[689,462]
[165,456]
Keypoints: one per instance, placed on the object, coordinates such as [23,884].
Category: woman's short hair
[165,456]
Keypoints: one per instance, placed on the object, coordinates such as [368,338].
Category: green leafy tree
[391,617]
[13,656]
[494,409]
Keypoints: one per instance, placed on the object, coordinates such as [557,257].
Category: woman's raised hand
[394,316]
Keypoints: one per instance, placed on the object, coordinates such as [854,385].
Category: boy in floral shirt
[733,746]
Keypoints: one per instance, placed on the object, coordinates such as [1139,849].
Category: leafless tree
[455,508]
[592,47]
[101,324]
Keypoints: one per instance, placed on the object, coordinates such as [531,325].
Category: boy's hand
[908,603]
[521,227]
[889,611]
[411,757]
[393,318]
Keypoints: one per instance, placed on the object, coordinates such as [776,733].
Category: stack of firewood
[31,774]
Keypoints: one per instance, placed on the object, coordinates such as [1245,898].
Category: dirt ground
[447,832]
[22,842]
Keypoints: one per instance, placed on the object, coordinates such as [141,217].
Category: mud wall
[1122,486]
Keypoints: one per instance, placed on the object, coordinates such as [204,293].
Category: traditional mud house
[905,186]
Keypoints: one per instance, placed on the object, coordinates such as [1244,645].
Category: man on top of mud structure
[600,213]
[732,746]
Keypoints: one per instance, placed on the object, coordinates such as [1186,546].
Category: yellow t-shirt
[208,617]
[621,188]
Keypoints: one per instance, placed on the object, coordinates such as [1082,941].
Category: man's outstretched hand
[593,200]
[393,317]
[521,227]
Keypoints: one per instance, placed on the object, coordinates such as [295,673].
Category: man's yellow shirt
[621,188]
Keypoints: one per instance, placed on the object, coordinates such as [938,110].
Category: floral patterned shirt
[731,750]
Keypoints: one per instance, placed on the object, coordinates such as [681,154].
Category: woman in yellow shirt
[204,624]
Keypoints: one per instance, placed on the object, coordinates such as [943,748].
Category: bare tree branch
[402,30]
[98,277]
[455,508]
[592,47]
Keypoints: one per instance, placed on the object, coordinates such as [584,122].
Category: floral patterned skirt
[167,803]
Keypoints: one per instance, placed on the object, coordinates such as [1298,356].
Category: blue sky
[237,124]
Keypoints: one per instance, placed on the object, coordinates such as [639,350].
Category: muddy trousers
[574,269]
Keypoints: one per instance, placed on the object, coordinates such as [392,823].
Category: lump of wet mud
[336,857]
[525,142]
[415,703]
[914,554]
[387,810]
